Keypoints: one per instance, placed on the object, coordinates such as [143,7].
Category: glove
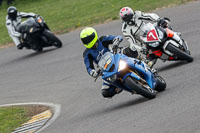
[116,41]
[93,73]
[37,15]
[163,22]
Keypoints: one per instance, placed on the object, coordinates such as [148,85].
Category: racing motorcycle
[37,35]
[130,74]
[161,42]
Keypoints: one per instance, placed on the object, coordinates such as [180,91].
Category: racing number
[152,36]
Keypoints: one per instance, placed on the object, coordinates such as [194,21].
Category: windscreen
[148,27]
[105,61]
[24,26]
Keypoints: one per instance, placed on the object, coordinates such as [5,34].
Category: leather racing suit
[94,55]
[134,29]
[13,24]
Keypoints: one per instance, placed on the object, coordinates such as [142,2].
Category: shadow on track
[125,105]
[171,66]
[36,54]
[116,107]
[27,57]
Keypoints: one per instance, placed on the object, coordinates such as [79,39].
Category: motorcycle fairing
[140,67]
[133,63]
[25,27]
[152,36]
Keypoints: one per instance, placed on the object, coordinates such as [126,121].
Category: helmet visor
[88,39]
[127,18]
[12,14]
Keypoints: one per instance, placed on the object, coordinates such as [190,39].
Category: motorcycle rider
[13,20]
[133,27]
[95,48]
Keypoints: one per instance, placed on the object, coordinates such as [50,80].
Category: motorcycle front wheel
[179,53]
[160,84]
[139,89]
[52,38]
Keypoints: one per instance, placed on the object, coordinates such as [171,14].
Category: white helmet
[126,14]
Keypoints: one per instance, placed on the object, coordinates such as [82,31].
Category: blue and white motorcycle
[130,74]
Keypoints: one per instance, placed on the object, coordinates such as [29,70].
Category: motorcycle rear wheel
[182,55]
[139,89]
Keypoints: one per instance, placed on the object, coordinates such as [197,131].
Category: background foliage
[65,15]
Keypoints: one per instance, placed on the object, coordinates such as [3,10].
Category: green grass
[11,118]
[65,15]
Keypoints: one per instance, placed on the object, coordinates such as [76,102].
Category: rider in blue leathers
[96,47]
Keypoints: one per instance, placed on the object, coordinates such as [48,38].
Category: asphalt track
[59,76]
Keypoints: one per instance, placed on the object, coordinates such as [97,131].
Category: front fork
[182,43]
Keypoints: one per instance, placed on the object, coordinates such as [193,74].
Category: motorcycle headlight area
[155,44]
[39,20]
[122,65]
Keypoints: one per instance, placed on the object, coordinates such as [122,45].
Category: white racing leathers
[12,25]
[133,30]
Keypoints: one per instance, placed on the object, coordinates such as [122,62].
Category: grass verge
[13,116]
[65,15]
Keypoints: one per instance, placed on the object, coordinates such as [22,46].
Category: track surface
[59,76]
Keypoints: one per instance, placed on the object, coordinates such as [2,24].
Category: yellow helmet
[89,37]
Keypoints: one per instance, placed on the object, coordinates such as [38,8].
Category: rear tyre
[53,39]
[161,84]
[182,55]
[139,89]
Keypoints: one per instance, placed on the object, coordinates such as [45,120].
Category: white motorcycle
[163,44]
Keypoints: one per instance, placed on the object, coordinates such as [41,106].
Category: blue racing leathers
[94,55]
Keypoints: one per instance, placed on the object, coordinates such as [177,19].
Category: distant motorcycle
[37,35]
[130,74]
[160,42]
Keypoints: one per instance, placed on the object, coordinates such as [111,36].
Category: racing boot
[20,46]
[108,90]
[118,90]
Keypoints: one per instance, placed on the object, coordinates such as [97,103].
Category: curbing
[56,109]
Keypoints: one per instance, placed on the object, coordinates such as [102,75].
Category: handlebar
[99,74]
[99,71]
[114,50]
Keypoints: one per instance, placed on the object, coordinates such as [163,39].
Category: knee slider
[107,94]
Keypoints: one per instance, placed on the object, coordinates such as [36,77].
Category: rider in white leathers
[133,27]
[13,20]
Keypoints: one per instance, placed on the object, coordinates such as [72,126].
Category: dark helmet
[12,12]
[126,14]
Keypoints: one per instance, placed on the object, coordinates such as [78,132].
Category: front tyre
[139,89]
[160,84]
[179,53]
[53,40]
